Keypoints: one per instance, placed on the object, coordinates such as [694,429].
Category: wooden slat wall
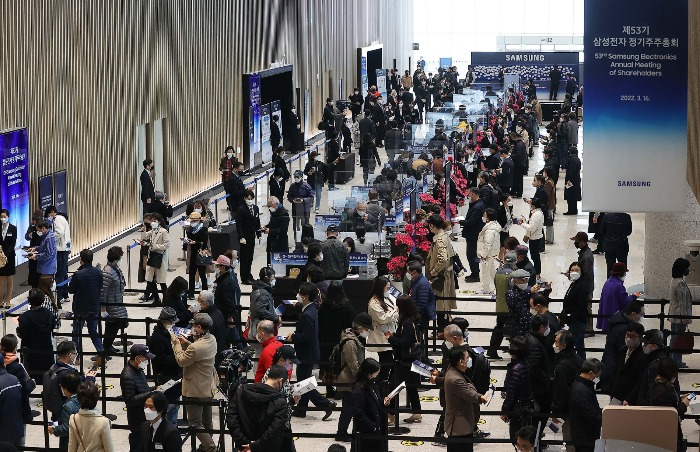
[82,75]
[694,97]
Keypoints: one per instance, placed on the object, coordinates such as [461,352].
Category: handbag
[438,283]
[526,239]
[204,258]
[684,342]
[77,433]
[155,259]
[415,350]
[3,258]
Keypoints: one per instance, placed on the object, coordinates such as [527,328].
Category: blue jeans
[62,273]
[676,328]
[92,331]
[319,191]
[171,414]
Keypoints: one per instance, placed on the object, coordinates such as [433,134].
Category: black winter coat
[332,320]
[278,236]
[167,435]
[576,301]
[538,360]
[227,296]
[585,414]
[257,415]
[403,339]
[16,369]
[369,416]
[641,393]
[627,374]
[165,366]
[135,391]
[573,175]
[305,338]
[86,285]
[566,370]
[35,328]
[473,223]
[614,342]
[218,329]
[517,385]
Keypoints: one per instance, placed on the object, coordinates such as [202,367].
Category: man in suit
[471,226]
[356,102]
[248,227]
[275,135]
[236,189]
[148,190]
[157,433]
[520,163]
[461,400]
[504,174]
[554,79]
[277,230]
[276,184]
[198,372]
[305,340]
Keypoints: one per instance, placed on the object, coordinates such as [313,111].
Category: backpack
[495,198]
[336,358]
[51,394]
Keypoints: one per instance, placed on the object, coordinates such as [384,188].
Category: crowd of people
[549,378]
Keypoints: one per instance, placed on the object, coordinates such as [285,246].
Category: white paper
[289,301]
[421,368]
[168,384]
[398,389]
[457,219]
[304,386]
[479,350]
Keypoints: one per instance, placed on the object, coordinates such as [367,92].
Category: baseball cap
[580,237]
[332,228]
[168,314]
[653,337]
[140,350]
[364,320]
[223,260]
[287,352]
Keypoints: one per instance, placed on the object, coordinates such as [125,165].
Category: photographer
[163,207]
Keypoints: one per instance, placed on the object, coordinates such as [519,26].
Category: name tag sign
[288,258]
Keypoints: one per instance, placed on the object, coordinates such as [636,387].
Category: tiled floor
[555,261]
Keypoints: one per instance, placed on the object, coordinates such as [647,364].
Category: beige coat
[90,429]
[382,321]
[159,241]
[537,109]
[489,242]
[352,355]
[199,378]
[461,404]
[407,81]
[440,262]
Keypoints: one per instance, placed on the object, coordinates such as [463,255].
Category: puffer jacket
[336,260]
[257,415]
[502,282]
[262,305]
[86,284]
[519,310]
[135,391]
[352,354]
[489,242]
[112,294]
[517,385]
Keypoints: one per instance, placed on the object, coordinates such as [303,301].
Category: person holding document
[369,410]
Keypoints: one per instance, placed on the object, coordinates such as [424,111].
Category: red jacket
[270,346]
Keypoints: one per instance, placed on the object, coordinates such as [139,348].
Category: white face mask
[361,212]
[647,350]
[319,258]
[484,219]
[249,202]
[596,380]
[364,334]
[622,278]
[547,331]
[469,363]
[39,233]
[259,338]
[449,345]
[4,219]
[229,154]
[533,311]
[297,179]
[119,263]
[150,414]
[574,276]
[272,283]
[154,225]
[522,286]
[234,264]
[556,349]
[272,209]
[300,299]
[143,364]
[288,366]
[198,210]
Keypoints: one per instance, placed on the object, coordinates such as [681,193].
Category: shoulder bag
[204,258]
[155,259]
[684,342]
[415,350]
[77,433]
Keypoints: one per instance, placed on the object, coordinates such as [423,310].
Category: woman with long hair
[175,296]
[334,316]
[406,350]
[384,317]
[681,305]
[369,409]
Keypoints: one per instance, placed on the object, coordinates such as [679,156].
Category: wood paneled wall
[82,75]
[694,97]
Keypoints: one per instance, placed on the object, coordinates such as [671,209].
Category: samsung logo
[525,57]
[633,183]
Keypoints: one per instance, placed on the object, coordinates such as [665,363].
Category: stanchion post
[397,429]
[216,210]
[662,316]
[222,426]
[45,417]
[128,266]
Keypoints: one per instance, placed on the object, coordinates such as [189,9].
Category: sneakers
[197,286]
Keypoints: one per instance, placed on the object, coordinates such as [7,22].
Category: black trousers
[535,254]
[304,371]
[471,257]
[460,447]
[412,379]
[152,289]
[111,332]
[345,414]
[246,255]
[616,251]
[518,174]
[497,334]
[386,359]
[553,91]
[194,268]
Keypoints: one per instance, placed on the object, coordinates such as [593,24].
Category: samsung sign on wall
[635,105]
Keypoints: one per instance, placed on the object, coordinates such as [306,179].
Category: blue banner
[327,220]
[60,193]
[636,103]
[45,191]
[265,143]
[288,258]
[390,221]
[358,260]
[14,182]
[361,193]
[255,155]
[363,76]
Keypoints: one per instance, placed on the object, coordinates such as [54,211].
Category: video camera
[233,369]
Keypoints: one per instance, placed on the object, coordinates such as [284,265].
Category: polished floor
[555,261]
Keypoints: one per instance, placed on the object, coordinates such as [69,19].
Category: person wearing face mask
[664,393]
[462,400]
[352,353]
[197,238]
[471,226]
[614,296]
[227,296]
[361,217]
[539,304]
[681,304]
[248,228]
[566,369]
[616,339]
[135,391]
[335,315]
[158,433]
[629,365]
[518,406]
[226,163]
[163,207]
[653,348]
[257,414]
[487,249]
[69,383]
[148,190]
[158,241]
[269,349]
[165,366]
[585,263]
[368,155]
[277,229]
[235,189]
[541,359]
[369,410]
[585,414]
[336,259]
[8,239]
[356,101]
[86,286]
[518,300]
[276,184]
[262,305]
[575,310]
[520,162]
[51,394]
[301,195]
[314,257]
[198,375]
[572,189]
[306,345]
[112,298]
[218,329]
[45,252]
[533,233]
[384,316]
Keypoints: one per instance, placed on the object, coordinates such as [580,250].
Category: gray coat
[112,294]
[262,306]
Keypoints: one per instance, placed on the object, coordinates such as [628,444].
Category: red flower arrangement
[397,266]
[404,240]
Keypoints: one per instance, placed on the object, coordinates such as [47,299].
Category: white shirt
[156,424]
